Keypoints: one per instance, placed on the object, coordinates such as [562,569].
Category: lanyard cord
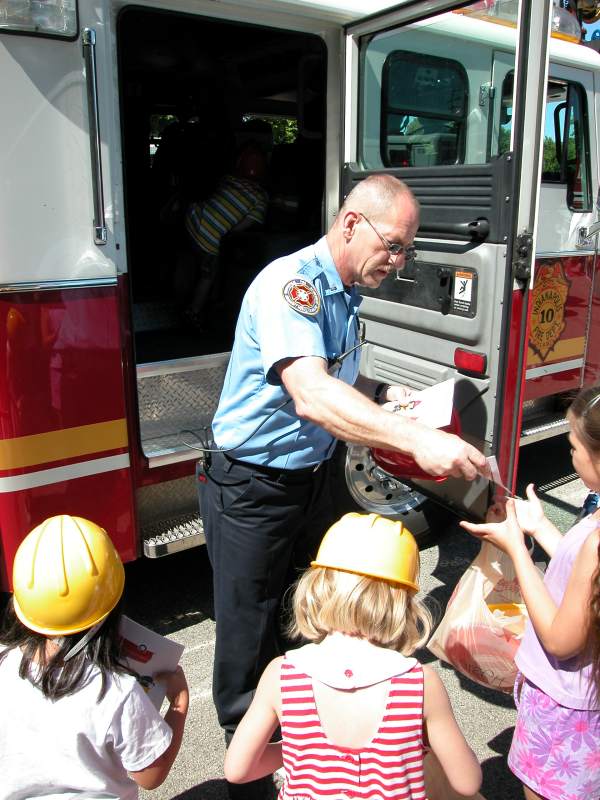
[203,437]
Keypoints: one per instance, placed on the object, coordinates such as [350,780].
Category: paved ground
[173,596]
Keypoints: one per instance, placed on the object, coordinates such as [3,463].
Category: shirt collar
[349,662]
[334,282]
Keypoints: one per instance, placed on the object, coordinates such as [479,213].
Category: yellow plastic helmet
[371,545]
[67,576]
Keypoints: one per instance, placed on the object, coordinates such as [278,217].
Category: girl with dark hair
[555,750]
[75,721]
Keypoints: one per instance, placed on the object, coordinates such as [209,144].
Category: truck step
[539,428]
[173,535]
[177,400]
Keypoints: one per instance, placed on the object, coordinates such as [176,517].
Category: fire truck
[116,115]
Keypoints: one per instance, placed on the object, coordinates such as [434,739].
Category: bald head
[376,195]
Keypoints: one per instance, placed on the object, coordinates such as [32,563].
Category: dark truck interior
[193,92]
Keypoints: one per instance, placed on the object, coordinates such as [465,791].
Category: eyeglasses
[409,251]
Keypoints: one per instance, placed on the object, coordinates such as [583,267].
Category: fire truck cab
[118,116]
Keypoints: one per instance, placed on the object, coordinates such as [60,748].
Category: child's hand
[176,687]
[530,513]
[497,511]
[506,535]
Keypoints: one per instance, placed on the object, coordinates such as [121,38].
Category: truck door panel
[456,294]
[562,288]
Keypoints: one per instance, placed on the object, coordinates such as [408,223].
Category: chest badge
[302,296]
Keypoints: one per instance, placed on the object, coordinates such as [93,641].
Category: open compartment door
[423,103]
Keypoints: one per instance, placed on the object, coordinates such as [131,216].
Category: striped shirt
[235,200]
[390,767]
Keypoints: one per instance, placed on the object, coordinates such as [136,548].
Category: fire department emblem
[547,322]
[302,296]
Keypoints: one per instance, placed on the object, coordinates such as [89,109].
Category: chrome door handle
[89,54]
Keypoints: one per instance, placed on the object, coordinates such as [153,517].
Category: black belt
[275,473]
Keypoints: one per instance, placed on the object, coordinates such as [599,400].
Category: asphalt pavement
[172,595]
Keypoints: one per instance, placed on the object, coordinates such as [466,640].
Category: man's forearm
[348,414]
[366,386]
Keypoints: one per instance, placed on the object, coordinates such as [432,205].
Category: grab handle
[477,229]
[89,55]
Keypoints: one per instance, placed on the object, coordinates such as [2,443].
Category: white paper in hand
[147,653]
[495,471]
[431,406]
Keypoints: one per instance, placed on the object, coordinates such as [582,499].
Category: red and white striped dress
[390,767]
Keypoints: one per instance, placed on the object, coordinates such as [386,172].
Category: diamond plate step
[177,400]
[173,535]
[537,429]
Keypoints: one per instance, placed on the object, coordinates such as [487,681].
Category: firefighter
[292,389]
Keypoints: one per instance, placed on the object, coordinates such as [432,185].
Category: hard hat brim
[371,574]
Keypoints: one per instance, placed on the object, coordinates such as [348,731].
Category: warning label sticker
[462,296]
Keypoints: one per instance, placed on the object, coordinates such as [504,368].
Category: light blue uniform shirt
[269,330]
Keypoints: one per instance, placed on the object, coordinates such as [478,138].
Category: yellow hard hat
[370,545]
[67,576]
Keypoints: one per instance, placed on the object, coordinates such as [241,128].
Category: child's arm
[250,755]
[446,740]
[561,629]
[178,695]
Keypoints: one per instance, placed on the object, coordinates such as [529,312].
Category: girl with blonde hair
[356,709]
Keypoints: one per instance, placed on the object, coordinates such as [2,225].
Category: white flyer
[431,406]
[147,653]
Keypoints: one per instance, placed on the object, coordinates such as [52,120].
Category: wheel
[360,485]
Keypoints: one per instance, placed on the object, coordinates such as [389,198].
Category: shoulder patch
[302,296]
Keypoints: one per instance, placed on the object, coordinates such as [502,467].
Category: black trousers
[262,527]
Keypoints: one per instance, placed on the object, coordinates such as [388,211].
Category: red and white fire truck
[115,115]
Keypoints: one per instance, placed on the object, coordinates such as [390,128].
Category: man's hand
[399,394]
[440,453]
[398,398]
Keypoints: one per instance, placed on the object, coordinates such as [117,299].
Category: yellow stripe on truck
[563,349]
[41,448]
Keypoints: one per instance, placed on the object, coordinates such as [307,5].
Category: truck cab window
[566,158]
[424,109]
[422,99]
